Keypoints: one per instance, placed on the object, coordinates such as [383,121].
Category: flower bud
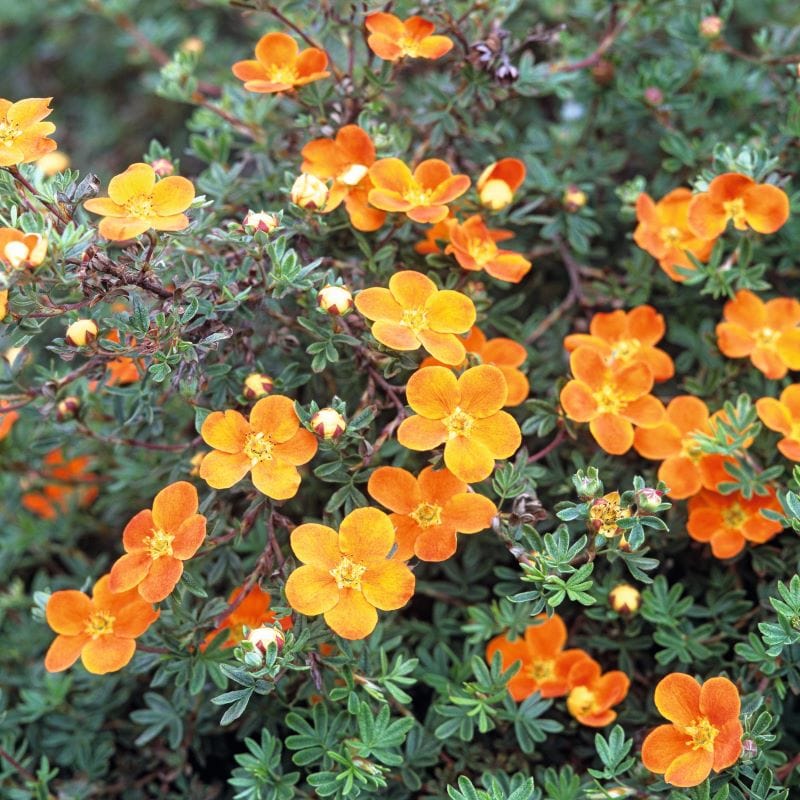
[495,194]
[711,27]
[648,500]
[261,221]
[193,44]
[603,72]
[309,192]
[262,638]
[81,332]
[574,198]
[625,599]
[328,423]
[257,385]
[587,484]
[52,163]
[653,96]
[336,300]
[749,750]
[67,408]
[163,167]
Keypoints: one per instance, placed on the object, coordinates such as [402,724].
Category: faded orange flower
[23,135]
[463,414]
[593,693]
[391,38]
[66,482]
[605,513]
[783,416]
[252,612]
[439,233]
[414,313]
[19,249]
[499,181]
[347,576]
[280,65]
[136,203]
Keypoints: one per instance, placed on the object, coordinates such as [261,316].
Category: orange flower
[545,665]
[727,521]
[3,303]
[769,333]
[499,181]
[705,733]
[69,479]
[280,66]
[429,510]
[392,38]
[412,312]
[253,612]
[157,543]
[346,160]
[627,337]
[593,694]
[7,420]
[475,248]
[347,575]
[271,445]
[102,630]
[136,203]
[440,232]
[778,415]
[463,414]
[760,206]
[685,468]
[664,232]
[611,401]
[18,249]
[423,195]
[23,135]
[505,354]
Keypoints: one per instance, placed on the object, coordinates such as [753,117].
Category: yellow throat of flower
[734,209]
[9,133]
[159,543]
[482,250]
[282,73]
[258,448]
[427,515]
[347,574]
[625,349]
[581,701]
[458,423]
[139,206]
[415,318]
[703,734]
[542,670]
[608,400]
[734,516]
[101,623]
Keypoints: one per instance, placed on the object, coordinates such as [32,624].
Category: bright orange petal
[366,535]
[499,433]
[67,611]
[173,505]
[433,392]
[225,431]
[64,652]
[317,545]
[420,433]
[690,769]
[223,470]
[677,697]
[275,415]
[388,585]
[483,391]
[394,488]
[662,746]
[353,617]
[107,654]
[614,434]
[162,578]
[138,179]
[311,590]
[276,479]
[469,459]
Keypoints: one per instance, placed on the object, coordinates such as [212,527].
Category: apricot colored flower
[475,248]
[3,303]
[605,513]
[499,181]
[705,733]
[685,468]
[414,313]
[627,337]
[271,445]
[664,232]
[346,161]
[728,521]
[18,249]
[463,414]
[391,38]
[545,664]
[347,575]
[783,416]
[7,420]
[422,195]
[436,234]
[737,198]
[612,401]
[593,693]
[769,333]
[157,542]
[136,203]
[23,135]
[102,630]
[280,65]
[252,612]
[66,482]
[429,510]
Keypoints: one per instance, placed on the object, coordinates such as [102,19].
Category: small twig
[23,181]
[540,454]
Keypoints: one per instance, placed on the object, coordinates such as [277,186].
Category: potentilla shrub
[421,426]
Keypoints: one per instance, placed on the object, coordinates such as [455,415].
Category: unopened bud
[749,750]
[81,332]
[163,167]
[336,300]
[67,408]
[625,599]
[711,27]
[261,221]
[328,423]
[262,638]
[603,72]
[309,192]
[574,198]
[588,484]
[653,96]
[193,44]
[257,385]
[648,500]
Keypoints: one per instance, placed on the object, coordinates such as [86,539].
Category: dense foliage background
[606,98]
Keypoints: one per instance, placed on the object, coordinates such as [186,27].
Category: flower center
[139,206]
[542,670]
[410,46]
[419,196]
[348,574]
[703,734]
[427,514]
[690,448]
[415,318]
[766,337]
[159,543]
[101,623]
[482,250]
[671,236]
[608,400]
[459,423]
[734,209]
[257,447]
[9,133]
[353,175]
[581,701]
[625,349]
[282,73]
[734,516]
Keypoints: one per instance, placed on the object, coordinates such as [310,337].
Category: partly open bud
[262,638]
[67,408]
[625,599]
[163,167]
[52,163]
[498,182]
[328,423]
[261,221]
[81,332]
[336,300]
[574,198]
[257,385]
[309,192]
[711,27]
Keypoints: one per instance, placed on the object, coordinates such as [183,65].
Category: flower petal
[433,392]
[468,459]
[64,652]
[275,415]
[162,578]
[107,654]
[613,433]
[189,536]
[728,745]
[225,431]
[662,746]
[138,179]
[578,402]
[388,585]
[690,769]
[277,49]
[394,488]
[300,449]
[67,611]
[469,512]
[677,697]
[483,391]
[420,433]
[129,571]
[311,590]
[499,434]
[172,195]
[378,303]
[719,701]
[352,617]
[317,545]
[173,505]
[444,347]
[223,470]
[450,312]
[366,535]
[276,479]
[412,289]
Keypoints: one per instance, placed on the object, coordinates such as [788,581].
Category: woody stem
[23,181]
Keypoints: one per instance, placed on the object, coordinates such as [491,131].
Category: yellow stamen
[542,670]
[458,423]
[625,349]
[159,544]
[482,250]
[703,734]
[282,74]
[415,318]
[139,206]
[101,623]
[734,209]
[9,133]
[608,400]
[734,516]
[348,574]
[258,447]
[427,514]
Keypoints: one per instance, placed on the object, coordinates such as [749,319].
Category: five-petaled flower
[346,160]
[102,630]
[593,693]
[271,445]
[280,65]
[17,250]
[769,333]
[23,135]
[412,312]
[544,663]
[737,198]
[463,414]
[157,543]
[610,400]
[347,575]
[498,182]
[422,195]
[429,510]
[252,611]
[475,248]
[705,732]
[136,203]
[783,416]
[391,38]
[605,513]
